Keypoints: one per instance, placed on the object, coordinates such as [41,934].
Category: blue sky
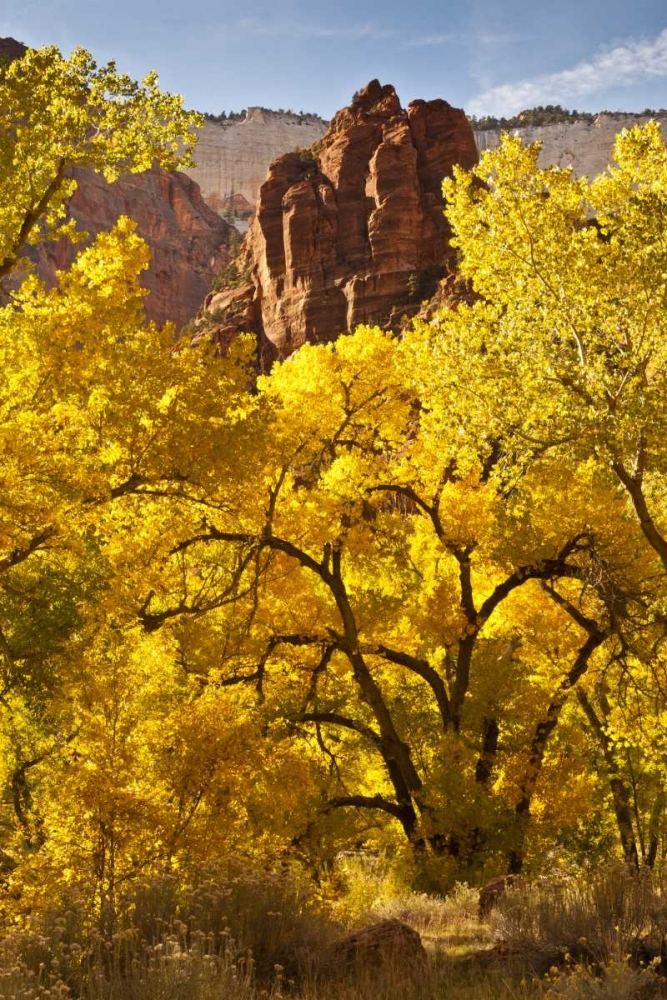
[488,57]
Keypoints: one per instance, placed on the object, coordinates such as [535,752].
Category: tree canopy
[405,592]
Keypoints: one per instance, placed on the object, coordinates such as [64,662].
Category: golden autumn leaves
[358,597]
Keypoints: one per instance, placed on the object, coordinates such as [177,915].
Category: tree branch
[335,719]
[18,555]
[423,669]
[366,802]
[31,219]
[546,569]
[633,487]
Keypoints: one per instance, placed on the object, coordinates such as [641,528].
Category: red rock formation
[187,239]
[10,49]
[353,232]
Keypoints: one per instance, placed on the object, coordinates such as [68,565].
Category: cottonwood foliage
[406,593]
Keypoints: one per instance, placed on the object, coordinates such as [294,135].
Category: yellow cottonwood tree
[354,599]
[57,113]
[393,603]
[572,277]
[460,528]
[94,401]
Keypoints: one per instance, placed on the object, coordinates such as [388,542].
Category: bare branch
[335,719]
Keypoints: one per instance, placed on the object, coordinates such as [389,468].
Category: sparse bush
[368,881]
[211,938]
[217,316]
[426,912]
[376,888]
[232,276]
[306,154]
[414,285]
[601,917]
[617,981]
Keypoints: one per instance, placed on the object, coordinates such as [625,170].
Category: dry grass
[600,917]
[237,935]
[245,936]
[179,967]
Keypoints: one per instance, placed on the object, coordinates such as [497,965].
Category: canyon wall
[233,157]
[188,241]
[584,145]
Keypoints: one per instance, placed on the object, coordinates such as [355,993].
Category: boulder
[384,947]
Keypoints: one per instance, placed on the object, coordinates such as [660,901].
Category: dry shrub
[363,883]
[216,936]
[275,915]
[599,917]
[616,981]
[445,978]
[372,887]
[432,914]
[179,967]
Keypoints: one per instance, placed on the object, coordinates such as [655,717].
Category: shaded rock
[10,49]
[187,239]
[384,947]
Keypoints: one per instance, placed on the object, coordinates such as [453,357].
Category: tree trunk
[620,793]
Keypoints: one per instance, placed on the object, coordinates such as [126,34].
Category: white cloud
[426,40]
[617,66]
[353,32]
[256,26]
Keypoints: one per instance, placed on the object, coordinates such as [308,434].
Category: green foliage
[550,114]
[229,117]
[234,275]
[306,153]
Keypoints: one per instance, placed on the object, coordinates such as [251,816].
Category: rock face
[389,946]
[10,49]
[352,231]
[584,145]
[187,239]
[233,156]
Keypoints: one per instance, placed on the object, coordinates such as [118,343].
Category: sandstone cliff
[187,239]
[351,232]
[585,145]
[233,156]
